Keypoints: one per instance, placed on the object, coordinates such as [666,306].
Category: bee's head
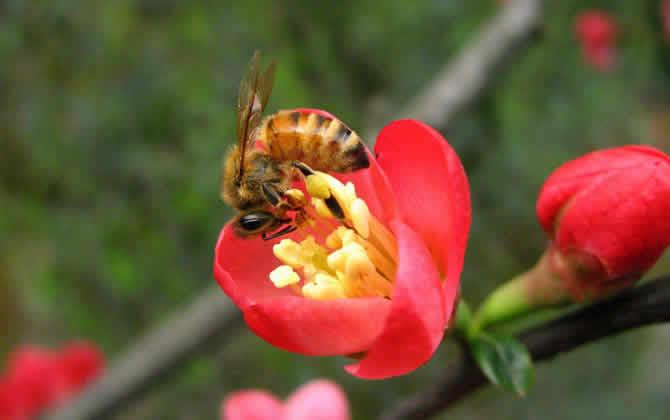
[260,222]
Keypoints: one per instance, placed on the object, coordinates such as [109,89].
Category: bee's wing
[255,91]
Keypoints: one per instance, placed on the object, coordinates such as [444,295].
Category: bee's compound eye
[254,221]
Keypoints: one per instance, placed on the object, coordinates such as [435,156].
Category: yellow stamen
[383,239]
[317,186]
[360,216]
[361,255]
[283,276]
[324,287]
[289,252]
[360,268]
[384,264]
[321,208]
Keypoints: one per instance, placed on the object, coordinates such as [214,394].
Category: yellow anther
[337,260]
[314,254]
[360,216]
[342,194]
[324,287]
[317,186]
[361,272]
[351,190]
[334,240]
[289,252]
[348,236]
[361,255]
[309,247]
[302,255]
[283,276]
[321,208]
[358,264]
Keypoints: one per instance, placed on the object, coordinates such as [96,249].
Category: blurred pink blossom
[597,31]
[317,400]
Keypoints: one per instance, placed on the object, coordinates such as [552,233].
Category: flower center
[343,255]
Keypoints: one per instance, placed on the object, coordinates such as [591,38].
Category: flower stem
[535,289]
[506,302]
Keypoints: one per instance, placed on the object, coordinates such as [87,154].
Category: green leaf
[504,360]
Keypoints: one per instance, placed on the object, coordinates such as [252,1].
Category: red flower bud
[607,215]
[597,31]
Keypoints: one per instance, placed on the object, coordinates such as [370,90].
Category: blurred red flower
[80,362]
[608,215]
[597,31]
[418,200]
[37,378]
[665,15]
[317,400]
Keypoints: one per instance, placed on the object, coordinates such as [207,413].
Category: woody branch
[644,305]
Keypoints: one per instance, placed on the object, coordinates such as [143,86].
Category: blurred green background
[114,118]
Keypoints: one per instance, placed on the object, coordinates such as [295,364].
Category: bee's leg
[287,229]
[282,202]
[270,194]
[304,169]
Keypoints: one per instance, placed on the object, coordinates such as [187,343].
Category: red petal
[16,403]
[252,405]
[319,328]
[294,323]
[595,26]
[81,362]
[37,371]
[242,268]
[375,189]
[587,170]
[432,193]
[416,323]
[621,218]
[665,15]
[318,400]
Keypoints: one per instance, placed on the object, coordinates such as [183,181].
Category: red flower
[597,32]
[33,373]
[81,363]
[37,378]
[15,401]
[316,400]
[419,216]
[665,15]
[607,214]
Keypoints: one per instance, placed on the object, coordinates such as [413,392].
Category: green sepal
[463,319]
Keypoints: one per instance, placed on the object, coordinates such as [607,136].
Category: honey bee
[255,180]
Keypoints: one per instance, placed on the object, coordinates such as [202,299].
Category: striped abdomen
[322,143]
